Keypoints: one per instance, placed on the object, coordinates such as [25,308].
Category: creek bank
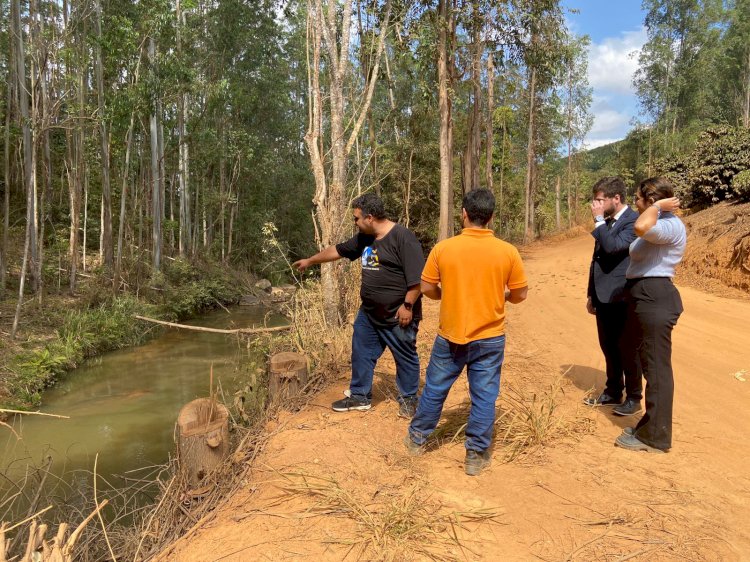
[58,336]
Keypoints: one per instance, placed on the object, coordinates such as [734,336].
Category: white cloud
[608,122]
[595,143]
[613,62]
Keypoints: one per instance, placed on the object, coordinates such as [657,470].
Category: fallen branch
[214,330]
[4,411]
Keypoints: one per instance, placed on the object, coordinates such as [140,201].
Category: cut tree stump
[202,439]
[287,375]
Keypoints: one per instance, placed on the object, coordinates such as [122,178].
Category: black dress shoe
[627,408]
[603,399]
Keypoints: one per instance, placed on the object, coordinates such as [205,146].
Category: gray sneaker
[627,408]
[476,461]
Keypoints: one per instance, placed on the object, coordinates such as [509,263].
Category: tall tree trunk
[331,28]
[123,200]
[6,171]
[44,119]
[85,215]
[489,124]
[502,165]
[444,24]
[558,222]
[183,157]
[106,231]
[29,171]
[156,206]
[474,140]
[746,111]
[530,155]
[574,214]
[222,203]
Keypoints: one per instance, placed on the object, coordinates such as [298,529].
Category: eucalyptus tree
[678,63]
[329,56]
[541,43]
[734,67]
[577,96]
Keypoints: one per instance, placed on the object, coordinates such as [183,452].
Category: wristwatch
[408,305]
[599,218]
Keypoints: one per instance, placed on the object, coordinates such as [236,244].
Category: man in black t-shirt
[392,262]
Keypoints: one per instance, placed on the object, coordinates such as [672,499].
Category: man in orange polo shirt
[469,273]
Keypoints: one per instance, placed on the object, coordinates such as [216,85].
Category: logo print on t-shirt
[370,259]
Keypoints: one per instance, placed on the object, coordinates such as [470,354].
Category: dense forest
[135,132]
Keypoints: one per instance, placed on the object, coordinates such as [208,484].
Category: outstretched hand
[302,265]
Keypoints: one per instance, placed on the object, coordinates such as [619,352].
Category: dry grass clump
[529,421]
[401,526]
[524,422]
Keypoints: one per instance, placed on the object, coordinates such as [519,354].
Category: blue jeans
[369,342]
[483,360]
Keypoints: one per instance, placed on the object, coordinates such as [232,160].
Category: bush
[707,175]
[741,184]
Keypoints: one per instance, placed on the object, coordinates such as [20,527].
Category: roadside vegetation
[67,330]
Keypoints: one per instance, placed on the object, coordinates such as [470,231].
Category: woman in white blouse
[654,305]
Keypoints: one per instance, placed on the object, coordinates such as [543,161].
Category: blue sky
[617,34]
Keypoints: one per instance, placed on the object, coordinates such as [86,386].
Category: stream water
[123,405]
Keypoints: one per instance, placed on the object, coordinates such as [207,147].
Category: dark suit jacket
[611,258]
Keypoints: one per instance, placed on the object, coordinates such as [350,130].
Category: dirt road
[335,486]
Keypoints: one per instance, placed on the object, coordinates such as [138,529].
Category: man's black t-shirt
[389,267]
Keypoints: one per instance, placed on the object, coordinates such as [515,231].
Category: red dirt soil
[576,498]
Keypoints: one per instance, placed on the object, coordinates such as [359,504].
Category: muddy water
[123,405]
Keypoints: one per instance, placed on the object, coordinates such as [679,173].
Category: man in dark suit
[613,234]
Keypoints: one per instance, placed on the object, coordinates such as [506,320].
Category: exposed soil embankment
[718,252]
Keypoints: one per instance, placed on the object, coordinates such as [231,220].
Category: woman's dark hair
[610,186]
[653,189]
[479,205]
[370,204]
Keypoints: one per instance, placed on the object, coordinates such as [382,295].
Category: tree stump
[202,438]
[287,375]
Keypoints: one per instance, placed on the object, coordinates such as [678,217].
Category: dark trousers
[623,370]
[654,305]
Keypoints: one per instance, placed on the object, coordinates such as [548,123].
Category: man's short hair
[479,205]
[610,186]
[370,204]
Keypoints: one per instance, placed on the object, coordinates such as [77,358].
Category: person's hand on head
[668,205]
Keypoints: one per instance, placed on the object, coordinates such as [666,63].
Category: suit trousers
[623,372]
[654,306]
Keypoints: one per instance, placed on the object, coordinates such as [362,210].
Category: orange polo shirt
[473,270]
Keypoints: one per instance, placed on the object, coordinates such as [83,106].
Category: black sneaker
[407,408]
[351,403]
[627,408]
[476,461]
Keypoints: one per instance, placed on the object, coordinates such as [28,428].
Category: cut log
[287,375]
[202,439]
